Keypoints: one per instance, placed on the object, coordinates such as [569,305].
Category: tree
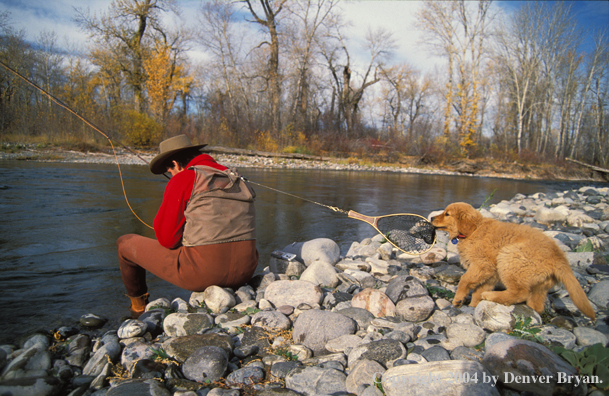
[271,10]
[309,19]
[126,37]
[459,30]
[380,45]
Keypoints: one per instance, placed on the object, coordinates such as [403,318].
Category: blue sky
[35,16]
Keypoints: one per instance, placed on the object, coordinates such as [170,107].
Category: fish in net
[410,233]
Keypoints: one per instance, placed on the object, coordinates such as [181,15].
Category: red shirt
[169,220]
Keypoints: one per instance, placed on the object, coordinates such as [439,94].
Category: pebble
[355,318]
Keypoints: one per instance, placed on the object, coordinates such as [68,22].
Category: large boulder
[314,328]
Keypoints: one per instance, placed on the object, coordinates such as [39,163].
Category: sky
[398,17]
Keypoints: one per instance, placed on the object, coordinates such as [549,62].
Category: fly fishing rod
[409,232]
[90,124]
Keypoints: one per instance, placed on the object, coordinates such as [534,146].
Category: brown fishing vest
[221,208]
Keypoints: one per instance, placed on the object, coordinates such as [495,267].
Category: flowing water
[59,225]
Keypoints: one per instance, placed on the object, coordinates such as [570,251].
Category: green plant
[284,352]
[160,354]
[440,292]
[251,310]
[592,361]
[167,310]
[485,203]
[524,330]
[378,384]
[585,248]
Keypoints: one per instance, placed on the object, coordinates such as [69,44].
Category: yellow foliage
[265,142]
[140,129]
[165,79]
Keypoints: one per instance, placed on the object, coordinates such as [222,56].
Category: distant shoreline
[240,161]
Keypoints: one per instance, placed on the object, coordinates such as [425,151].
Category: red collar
[457,239]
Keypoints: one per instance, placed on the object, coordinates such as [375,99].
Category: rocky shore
[370,323]
[463,167]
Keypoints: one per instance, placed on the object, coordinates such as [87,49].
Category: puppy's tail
[564,274]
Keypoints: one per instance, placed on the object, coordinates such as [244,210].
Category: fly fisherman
[205,227]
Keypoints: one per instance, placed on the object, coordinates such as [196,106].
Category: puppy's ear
[468,222]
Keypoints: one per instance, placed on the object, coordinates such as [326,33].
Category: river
[60,223]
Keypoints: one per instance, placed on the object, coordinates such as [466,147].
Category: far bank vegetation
[283,76]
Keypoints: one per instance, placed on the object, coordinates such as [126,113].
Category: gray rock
[138,387]
[206,363]
[587,336]
[497,317]
[435,354]
[599,294]
[515,359]
[281,369]
[321,273]
[92,320]
[320,249]
[343,343]
[218,299]
[134,352]
[183,324]
[405,286]
[496,338]
[557,336]
[580,259]
[363,373]
[293,293]
[246,376]
[271,321]
[363,278]
[315,328]
[382,351]
[440,378]
[109,351]
[469,335]
[549,216]
[415,309]
[316,381]
[46,386]
[78,350]
[451,274]
[132,328]
[181,348]
[360,315]
[464,353]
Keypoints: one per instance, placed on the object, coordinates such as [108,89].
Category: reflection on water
[60,223]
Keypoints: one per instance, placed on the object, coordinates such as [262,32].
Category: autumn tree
[125,36]
[458,30]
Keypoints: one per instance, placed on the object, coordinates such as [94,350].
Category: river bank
[462,167]
[368,323]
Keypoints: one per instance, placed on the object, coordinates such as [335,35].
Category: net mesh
[412,234]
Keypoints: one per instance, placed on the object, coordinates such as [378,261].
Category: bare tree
[380,45]
[271,10]
[309,19]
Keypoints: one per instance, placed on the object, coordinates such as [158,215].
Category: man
[205,227]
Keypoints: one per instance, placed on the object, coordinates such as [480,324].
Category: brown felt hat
[168,148]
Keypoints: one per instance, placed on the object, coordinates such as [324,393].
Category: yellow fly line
[96,129]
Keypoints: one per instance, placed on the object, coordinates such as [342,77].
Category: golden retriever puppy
[525,260]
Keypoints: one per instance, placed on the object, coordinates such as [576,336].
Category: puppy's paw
[486,296]
[457,303]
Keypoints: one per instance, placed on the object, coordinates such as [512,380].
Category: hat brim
[156,165]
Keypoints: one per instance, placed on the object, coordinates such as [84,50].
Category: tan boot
[138,305]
